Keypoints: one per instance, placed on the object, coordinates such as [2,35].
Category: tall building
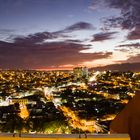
[80,72]
[85,72]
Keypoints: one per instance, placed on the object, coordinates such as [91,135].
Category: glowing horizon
[66,34]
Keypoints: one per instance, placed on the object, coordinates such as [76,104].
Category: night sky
[62,34]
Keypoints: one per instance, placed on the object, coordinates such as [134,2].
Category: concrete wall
[64,137]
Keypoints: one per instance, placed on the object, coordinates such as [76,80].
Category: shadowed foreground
[128,120]
[63,136]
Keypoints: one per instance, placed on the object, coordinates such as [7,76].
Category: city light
[81,101]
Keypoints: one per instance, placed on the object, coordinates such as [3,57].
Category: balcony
[11,136]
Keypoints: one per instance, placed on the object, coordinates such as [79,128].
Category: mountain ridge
[119,67]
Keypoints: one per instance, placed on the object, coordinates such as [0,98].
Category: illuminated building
[80,72]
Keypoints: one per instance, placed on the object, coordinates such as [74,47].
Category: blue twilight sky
[61,34]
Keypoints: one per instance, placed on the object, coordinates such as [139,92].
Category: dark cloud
[134,59]
[130,13]
[41,36]
[36,38]
[31,56]
[128,47]
[78,26]
[73,41]
[135,34]
[132,45]
[103,36]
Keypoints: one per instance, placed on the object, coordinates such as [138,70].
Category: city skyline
[53,34]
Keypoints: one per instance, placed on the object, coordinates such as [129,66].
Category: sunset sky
[62,34]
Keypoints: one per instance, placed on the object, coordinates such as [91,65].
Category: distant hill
[120,67]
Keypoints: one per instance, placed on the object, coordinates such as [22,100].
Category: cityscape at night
[76,101]
[69,67]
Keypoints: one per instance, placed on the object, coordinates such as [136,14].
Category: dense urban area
[76,101]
